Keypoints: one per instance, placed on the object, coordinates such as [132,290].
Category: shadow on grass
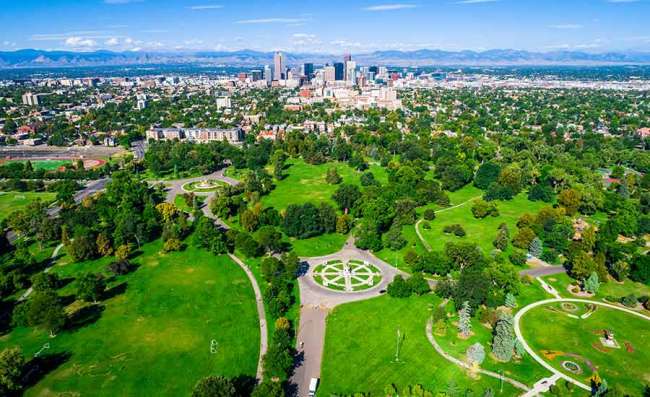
[114,291]
[38,367]
[244,384]
[84,316]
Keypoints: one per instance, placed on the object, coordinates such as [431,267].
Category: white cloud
[271,20]
[80,42]
[390,7]
[91,34]
[566,26]
[113,41]
[205,7]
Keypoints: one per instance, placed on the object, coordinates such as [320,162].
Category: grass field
[47,165]
[360,350]
[160,328]
[306,183]
[577,340]
[13,201]
[479,231]
[612,288]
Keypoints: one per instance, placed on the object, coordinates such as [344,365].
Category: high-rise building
[278,66]
[256,75]
[30,99]
[308,70]
[347,57]
[339,71]
[350,72]
[268,74]
[329,73]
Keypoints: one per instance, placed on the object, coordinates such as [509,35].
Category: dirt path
[424,242]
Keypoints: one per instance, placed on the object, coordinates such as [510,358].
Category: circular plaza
[347,276]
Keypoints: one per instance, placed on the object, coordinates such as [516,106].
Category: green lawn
[13,201]
[479,231]
[360,349]
[625,367]
[306,183]
[612,288]
[180,203]
[318,246]
[154,338]
[47,165]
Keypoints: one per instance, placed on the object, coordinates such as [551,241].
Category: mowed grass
[479,231]
[360,345]
[624,368]
[154,338]
[612,288]
[47,165]
[306,183]
[13,201]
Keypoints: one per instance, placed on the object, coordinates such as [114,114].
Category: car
[313,385]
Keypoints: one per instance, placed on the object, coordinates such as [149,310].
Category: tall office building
[30,99]
[329,73]
[308,70]
[347,57]
[278,66]
[350,72]
[339,71]
[268,74]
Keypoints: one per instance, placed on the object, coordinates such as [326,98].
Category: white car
[313,384]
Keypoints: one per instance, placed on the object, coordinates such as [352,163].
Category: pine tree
[476,353]
[535,247]
[465,320]
[511,301]
[592,284]
[503,342]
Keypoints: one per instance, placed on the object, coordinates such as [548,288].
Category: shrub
[518,258]
[455,229]
[399,288]
[429,214]
[482,208]
[629,300]
[411,257]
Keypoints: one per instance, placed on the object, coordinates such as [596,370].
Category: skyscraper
[308,70]
[350,72]
[339,71]
[268,75]
[278,66]
[329,73]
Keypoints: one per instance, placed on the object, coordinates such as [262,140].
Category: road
[316,304]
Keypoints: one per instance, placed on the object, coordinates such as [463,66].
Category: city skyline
[334,27]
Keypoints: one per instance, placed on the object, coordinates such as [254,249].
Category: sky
[325,26]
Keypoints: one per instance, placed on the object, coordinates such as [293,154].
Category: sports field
[13,201]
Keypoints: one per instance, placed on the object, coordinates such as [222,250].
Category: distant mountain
[40,58]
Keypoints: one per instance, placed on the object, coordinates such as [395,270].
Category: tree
[269,238]
[510,301]
[591,284]
[104,247]
[333,177]
[570,199]
[171,245]
[535,247]
[481,209]
[475,354]
[418,285]
[123,252]
[503,237]
[465,320]
[249,220]
[399,288]
[486,174]
[343,224]
[268,388]
[12,364]
[90,287]
[503,341]
[582,265]
[429,214]
[214,386]
[45,310]
[346,196]
[45,282]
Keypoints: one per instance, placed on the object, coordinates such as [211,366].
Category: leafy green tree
[44,310]
[346,196]
[399,288]
[45,282]
[486,174]
[214,386]
[12,365]
[268,388]
[333,177]
[90,287]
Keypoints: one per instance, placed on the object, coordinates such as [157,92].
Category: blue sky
[332,26]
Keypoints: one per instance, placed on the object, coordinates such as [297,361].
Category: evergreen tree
[465,320]
[535,247]
[592,284]
[511,301]
[476,354]
[503,342]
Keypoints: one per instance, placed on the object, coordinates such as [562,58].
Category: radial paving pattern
[350,276]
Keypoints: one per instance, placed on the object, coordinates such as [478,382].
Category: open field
[306,183]
[611,288]
[360,348]
[479,231]
[578,340]
[13,201]
[158,324]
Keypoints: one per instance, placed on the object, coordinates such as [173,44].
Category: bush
[455,229]
[629,300]
[429,214]
[518,258]
[541,193]
[399,288]
[411,257]
[482,208]
[426,225]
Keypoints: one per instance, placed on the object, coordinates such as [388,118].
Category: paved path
[264,342]
[541,361]
[462,364]
[26,294]
[316,304]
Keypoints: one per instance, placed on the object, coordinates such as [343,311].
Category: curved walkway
[55,253]
[463,364]
[264,336]
[541,361]
[424,242]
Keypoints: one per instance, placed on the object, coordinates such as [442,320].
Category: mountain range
[250,58]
